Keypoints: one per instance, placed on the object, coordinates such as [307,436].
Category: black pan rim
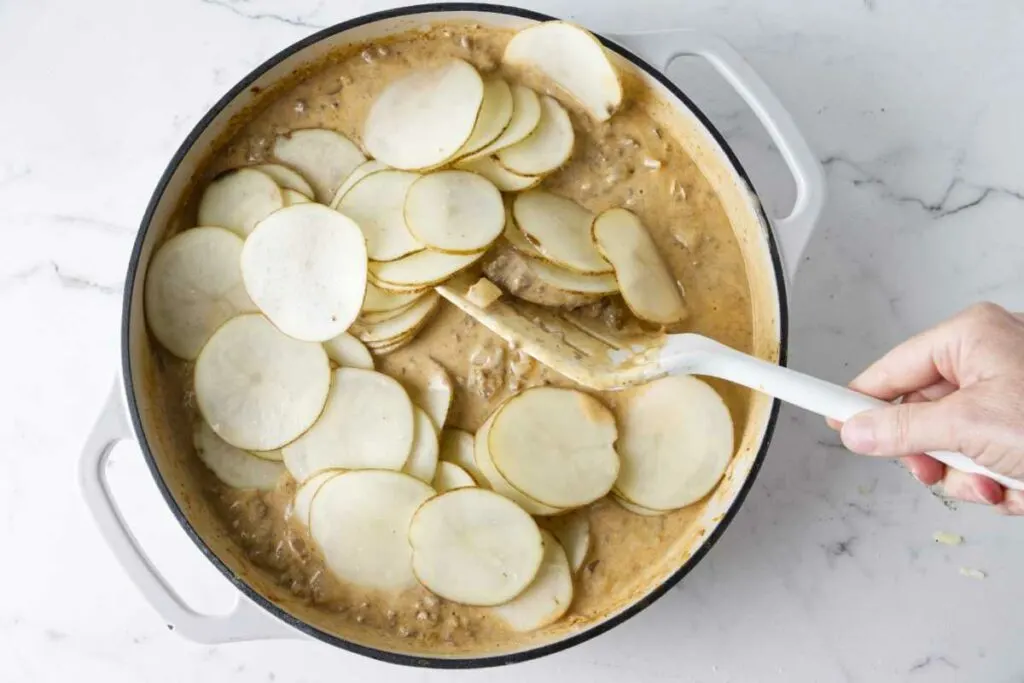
[308,629]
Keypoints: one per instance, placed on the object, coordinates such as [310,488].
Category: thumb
[904,429]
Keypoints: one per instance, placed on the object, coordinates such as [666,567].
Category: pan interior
[712,232]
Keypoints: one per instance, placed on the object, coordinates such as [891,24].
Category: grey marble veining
[828,573]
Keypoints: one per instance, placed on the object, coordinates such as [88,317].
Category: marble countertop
[829,572]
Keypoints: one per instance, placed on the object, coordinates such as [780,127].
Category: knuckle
[986,313]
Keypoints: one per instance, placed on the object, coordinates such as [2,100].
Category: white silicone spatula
[603,360]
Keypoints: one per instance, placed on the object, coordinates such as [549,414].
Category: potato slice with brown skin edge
[525,118]
[368,422]
[548,596]
[574,59]
[495,114]
[482,458]
[504,179]
[347,351]
[287,179]
[376,203]
[424,268]
[422,462]
[456,212]
[305,267]
[571,281]
[637,509]
[474,547]
[361,171]
[238,200]
[324,157]
[194,285]
[457,448]
[423,119]
[676,443]
[573,533]
[292,197]
[646,283]
[556,446]
[560,230]
[237,468]
[379,300]
[547,148]
[360,521]
[433,392]
[257,387]
[393,328]
[450,476]
[305,493]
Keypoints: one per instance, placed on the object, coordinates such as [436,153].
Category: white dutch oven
[771,251]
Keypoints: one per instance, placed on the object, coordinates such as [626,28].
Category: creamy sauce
[630,161]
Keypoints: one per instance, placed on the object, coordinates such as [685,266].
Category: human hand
[962,384]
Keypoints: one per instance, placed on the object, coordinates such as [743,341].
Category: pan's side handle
[661,48]
[245,622]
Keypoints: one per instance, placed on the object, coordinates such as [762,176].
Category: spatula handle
[813,394]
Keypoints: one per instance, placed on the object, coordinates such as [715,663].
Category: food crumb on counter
[483,293]
[947,538]
[973,573]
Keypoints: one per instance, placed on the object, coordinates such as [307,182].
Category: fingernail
[858,434]
[1013,501]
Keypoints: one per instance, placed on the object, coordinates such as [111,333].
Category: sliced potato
[424,268]
[573,533]
[233,466]
[518,239]
[364,169]
[571,281]
[647,285]
[677,440]
[637,509]
[547,147]
[457,449]
[287,179]
[257,387]
[306,491]
[368,423]
[384,316]
[435,394]
[349,352]
[193,286]
[273,456]
[560,230]
[503,179]
[474,547]
[423,119]
[482,458]
[409,320]
[376,203]
[324,157]
[547,597]
[305,267]
[495,114]
[556,446]
[379,300]
[384,349]
[455,212]
[574,59]
[450,476]
[422,462]
[393,288]
[238,200]
[360,520]
[525,118]
[293,197]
